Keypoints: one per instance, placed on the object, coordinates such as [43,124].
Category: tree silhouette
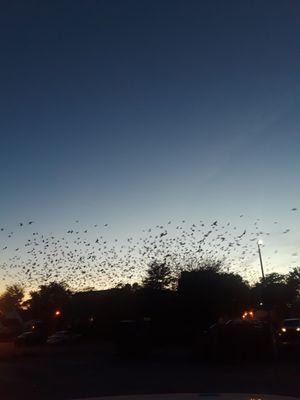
[208,264]
[43,303]
[293,279]
[207,294]
[11,299]
[274,279]
[276,290]
[158,276]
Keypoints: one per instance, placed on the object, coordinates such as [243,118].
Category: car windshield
[292,323]
[149,198]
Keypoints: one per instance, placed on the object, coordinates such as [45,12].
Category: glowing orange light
[57,313]
[248,314]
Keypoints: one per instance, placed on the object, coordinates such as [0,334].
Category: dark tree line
[191,300]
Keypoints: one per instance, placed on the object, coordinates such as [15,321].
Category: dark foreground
[93,370]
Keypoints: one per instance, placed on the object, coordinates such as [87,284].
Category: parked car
[289,332]
[30,338]
[64,337]
[133,338]
[239,339]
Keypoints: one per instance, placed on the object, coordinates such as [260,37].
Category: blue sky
[129,112]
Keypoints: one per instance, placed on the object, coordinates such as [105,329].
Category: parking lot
[94,370]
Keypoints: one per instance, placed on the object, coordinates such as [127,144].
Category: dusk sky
[133,113]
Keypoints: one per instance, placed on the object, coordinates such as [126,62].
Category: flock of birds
[84,256]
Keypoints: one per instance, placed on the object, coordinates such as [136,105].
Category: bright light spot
[298,329]
[283,329]
[57,313]
[248,314]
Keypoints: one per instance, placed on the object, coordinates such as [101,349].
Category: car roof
[291,319]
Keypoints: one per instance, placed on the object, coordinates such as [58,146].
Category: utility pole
[259,243]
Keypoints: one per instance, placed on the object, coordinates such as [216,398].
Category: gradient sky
[134,112]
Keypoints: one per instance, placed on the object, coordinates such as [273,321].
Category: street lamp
[259,243]
[57,313]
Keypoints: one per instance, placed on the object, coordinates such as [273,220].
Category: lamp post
[270,327]
[259,243]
